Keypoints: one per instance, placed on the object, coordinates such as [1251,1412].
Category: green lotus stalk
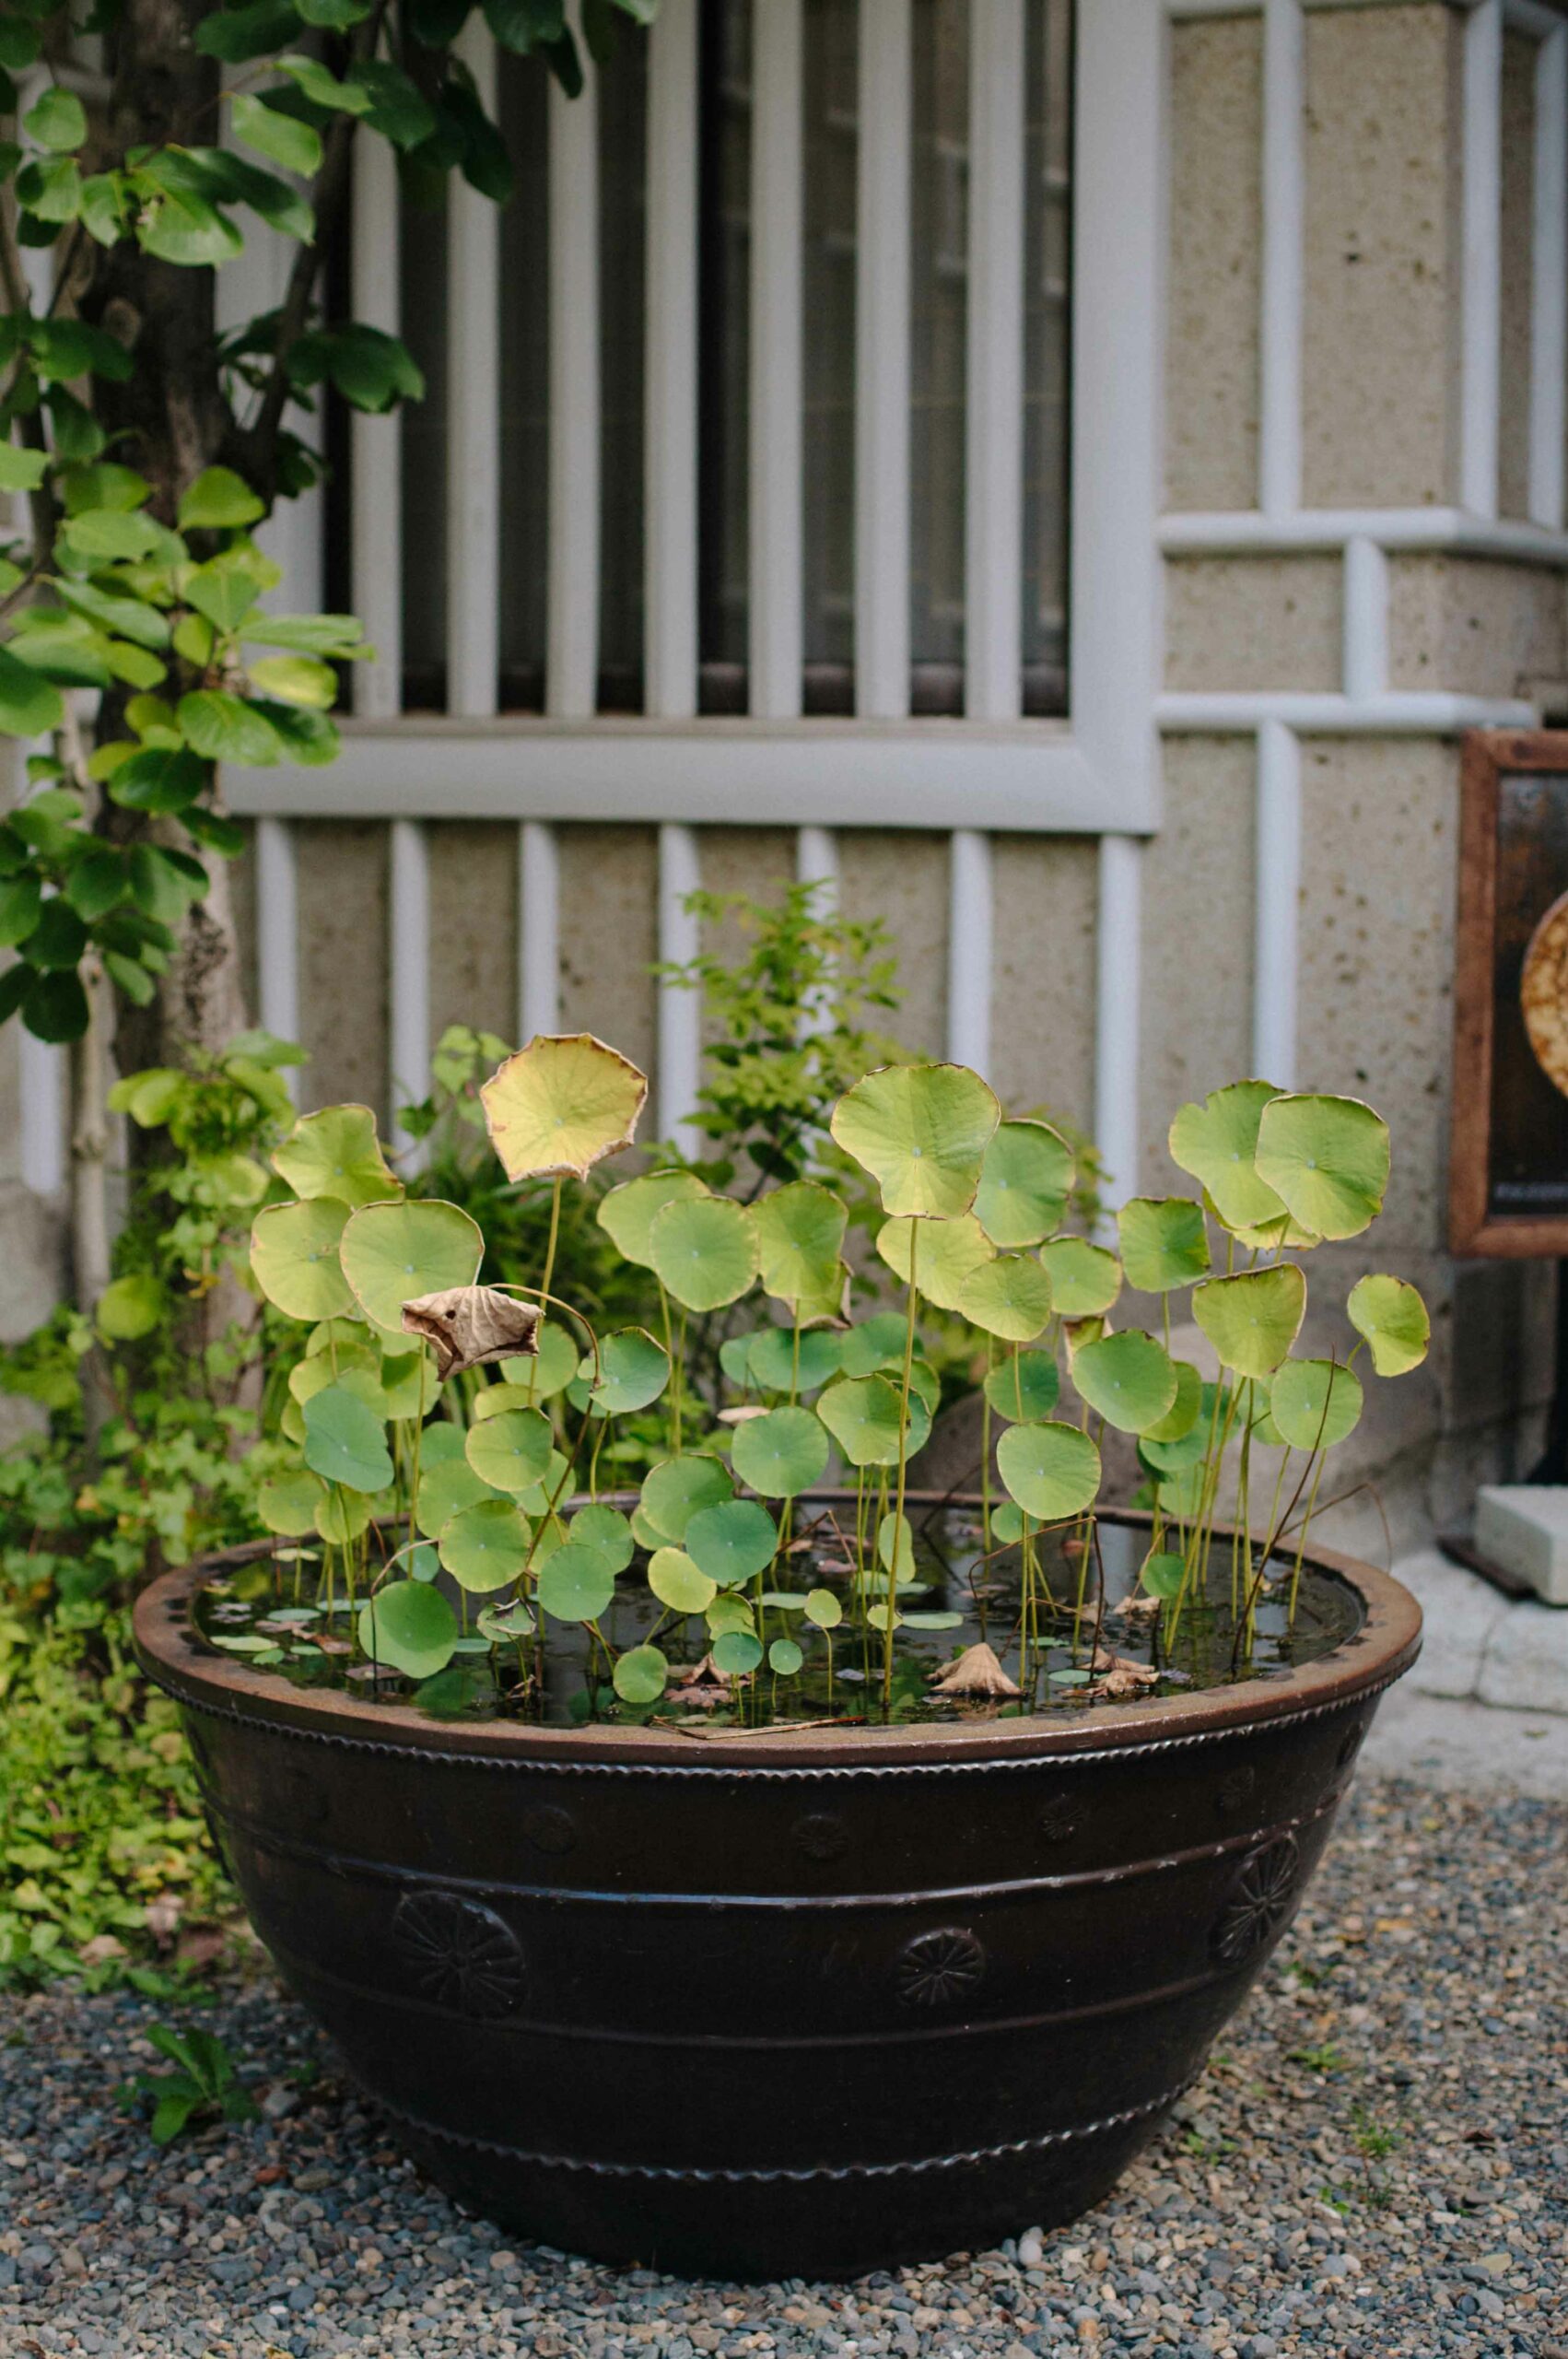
[890,1615]
[549,1268]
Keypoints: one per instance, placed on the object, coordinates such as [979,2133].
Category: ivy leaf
[218,500]
[106,485]
[486,163]
[295,679]
[282,139]
[111,535]
[309,738]
[224,728]
[236,34]
[30,707]
[58,121]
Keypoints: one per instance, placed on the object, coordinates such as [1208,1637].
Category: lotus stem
[549,1268]
[903,1470]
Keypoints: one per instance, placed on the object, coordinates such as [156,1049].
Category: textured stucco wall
[1215,262]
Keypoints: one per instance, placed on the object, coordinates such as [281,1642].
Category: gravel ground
[1375,2164]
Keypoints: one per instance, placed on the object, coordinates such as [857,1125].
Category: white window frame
[1095,771]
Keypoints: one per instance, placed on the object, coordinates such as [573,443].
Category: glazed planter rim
[1376,1655]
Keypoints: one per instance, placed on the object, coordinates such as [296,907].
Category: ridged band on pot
[698,2001]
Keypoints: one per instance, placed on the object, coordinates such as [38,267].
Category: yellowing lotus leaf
[921,1131]
[946,1254]
[561,1105]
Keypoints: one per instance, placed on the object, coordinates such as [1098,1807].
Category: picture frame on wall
[1508,1168]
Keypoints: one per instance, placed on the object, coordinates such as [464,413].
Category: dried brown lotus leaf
[977,1672]
[701,1684]
[469,1325]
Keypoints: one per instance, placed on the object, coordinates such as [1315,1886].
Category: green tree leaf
[57,120]
[30,707]
[220,500]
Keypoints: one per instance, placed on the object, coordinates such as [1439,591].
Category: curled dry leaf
[743,1415]
[977,1672]
[701,1684]
[1117,1675]
[1134,1609]
[469,1325]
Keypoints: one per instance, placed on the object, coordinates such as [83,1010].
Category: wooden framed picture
[1508,1174]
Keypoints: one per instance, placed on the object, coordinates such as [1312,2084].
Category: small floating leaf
[1162,1574]
[736,1652]
[1165,1243]
[1025,1181]
[639,1675]
[1316,1404]
[1252,1320]
[824,1609]
[561,1105]
[785,1658]
[1052,1470]
[921,1131]
[1393,1318]
[1327,1159]
[1085,1279]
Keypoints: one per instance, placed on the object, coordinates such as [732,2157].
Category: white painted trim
[474,419]
[1119,334]
[277,934]
[539,929]
[670,407]
[1117,969]
[775,576]
[1549,293]
[1364,620]
[680,1010]
[1277,905]
[1284,209]
[882,362]
[376,508]
[1024,775]
[1530,16]
[408,981]
[571,662]
[1243,532]
[41,1104]
[1480,353]
[1398,713]
[993,410]
[969,960]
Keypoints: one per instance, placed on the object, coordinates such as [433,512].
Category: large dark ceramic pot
[781,2004]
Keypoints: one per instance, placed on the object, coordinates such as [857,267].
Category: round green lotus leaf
[1007,1523]
[1265,1434]
[446,1487]
[1009,1297]
[677,1583]
[1165,1243]
[784,1658]
[511,1453]
[410,1625]
[1052,1470]
[730,1612]
[800,1233]
[1316,1404]
[498,1401]
[552,1369]
[633,1371]
[342,1515]
[735,1356]
[1183,1413]
[357,1371]
[936,1620]
[561,1105]
[1085,1279]
[484,1546]
[780,1454]
[1327,1159]
[392,1254]
[1162,1574]
[440,1440]
[410,1386]
[736,1652]
[1252,1320]
[345,1441]
[288,1503]
[784,1600]
[774,1365]
[626,1213]
[896,1548]
[733,1542]
[1025,1181]
[1392,1317]
[607,1529]
[1023,1388]
[678,1488]
[1173,1457]
[824,1609]
[875,1343]
[704,1250]
[639,1675]
[945,1254]
[1282,1235]
[551,1486]
[861,1413]
[1128,1380]
[921,1131]
[293,1257]
[336,1154]
[1217,1142]
[577,1584]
